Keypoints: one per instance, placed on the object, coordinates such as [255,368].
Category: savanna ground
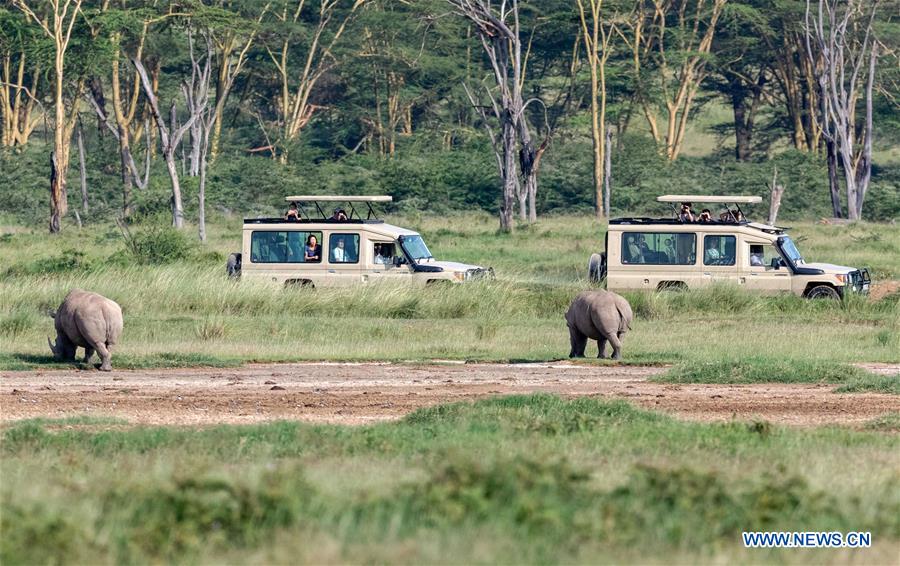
[572,467]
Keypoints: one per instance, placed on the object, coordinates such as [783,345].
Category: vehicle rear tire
[233,265]
[299,284]
[671,286]
[823,292]
[597,268]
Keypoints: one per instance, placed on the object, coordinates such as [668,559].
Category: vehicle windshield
[790,250]
[415,247]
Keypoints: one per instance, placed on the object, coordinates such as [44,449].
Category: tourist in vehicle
[705,216]
[339,253]
[686,214]
[670,250]
[292,212]
[382,254]
[712,251]
[339,215]
[756,256]
[313,251]
[634,250]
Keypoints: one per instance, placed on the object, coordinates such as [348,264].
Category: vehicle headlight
[461,275]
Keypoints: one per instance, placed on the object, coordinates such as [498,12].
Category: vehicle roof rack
[724,199]
[340,198]
[349,199]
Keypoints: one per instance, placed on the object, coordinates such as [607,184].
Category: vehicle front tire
[823,292]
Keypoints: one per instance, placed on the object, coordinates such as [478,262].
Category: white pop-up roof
[340,198]
[733,199]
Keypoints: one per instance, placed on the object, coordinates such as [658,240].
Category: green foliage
[157,244]
[761,369]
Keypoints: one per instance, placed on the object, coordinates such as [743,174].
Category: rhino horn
[52,346]
[51,313]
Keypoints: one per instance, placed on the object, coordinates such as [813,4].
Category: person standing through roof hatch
[339,215]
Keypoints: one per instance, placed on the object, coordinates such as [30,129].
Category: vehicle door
[720,258]
[382,262]
[343,258]
[763,270]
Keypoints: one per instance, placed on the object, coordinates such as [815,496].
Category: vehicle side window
[343,248]
[285,247]
[383,253]
[761,255]
[719,250]
[659,248]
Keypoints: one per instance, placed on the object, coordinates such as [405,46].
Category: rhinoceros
[90,321]
[599,315]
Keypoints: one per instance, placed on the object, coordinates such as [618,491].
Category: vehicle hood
[829,267]
[451,266]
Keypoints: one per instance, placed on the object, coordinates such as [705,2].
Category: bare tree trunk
[170,141]
[775,199]
[82,171]
[607,178]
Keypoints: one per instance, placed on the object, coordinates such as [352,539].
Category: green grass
[516,479]
[758,369]
[188,313]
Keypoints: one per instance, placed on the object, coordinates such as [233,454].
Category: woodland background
[258,99]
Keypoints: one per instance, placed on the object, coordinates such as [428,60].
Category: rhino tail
[625,316]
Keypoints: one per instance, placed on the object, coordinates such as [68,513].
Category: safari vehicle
[309,248]
[675,253]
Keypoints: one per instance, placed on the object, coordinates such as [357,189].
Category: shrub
[157,245]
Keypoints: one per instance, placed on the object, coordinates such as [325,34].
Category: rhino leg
[88,354]
[105,357]
[615,340]
[601,347]
[578,342]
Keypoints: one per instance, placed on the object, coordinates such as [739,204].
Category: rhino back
[88,318]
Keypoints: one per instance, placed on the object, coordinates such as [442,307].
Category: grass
[517,479]
[188,313]
[757,369]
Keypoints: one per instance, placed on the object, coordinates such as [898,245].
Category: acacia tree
[499,30]
[203,115]
[843,49]
[597,38]
[125,103]
[294,107]
[670,42]
[58,25]
[19,80]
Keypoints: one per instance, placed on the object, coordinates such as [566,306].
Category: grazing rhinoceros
[600,316]
[88,320]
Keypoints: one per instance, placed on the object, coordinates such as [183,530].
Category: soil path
[362,393]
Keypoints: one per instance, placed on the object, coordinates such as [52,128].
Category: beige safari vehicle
[307,247]
[675,252]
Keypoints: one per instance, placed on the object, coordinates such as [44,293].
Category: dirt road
[363,393]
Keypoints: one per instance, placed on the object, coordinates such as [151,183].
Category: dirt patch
[882,289]
[362,393]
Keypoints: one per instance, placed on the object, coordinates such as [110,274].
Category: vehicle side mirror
[398,261]
[776,263]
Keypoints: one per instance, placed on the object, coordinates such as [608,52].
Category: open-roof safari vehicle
[676,252]
[308,247]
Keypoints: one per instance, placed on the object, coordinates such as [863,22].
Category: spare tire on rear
[233,265]
[597,268]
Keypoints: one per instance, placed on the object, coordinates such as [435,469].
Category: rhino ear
[52,346]
[51,313]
